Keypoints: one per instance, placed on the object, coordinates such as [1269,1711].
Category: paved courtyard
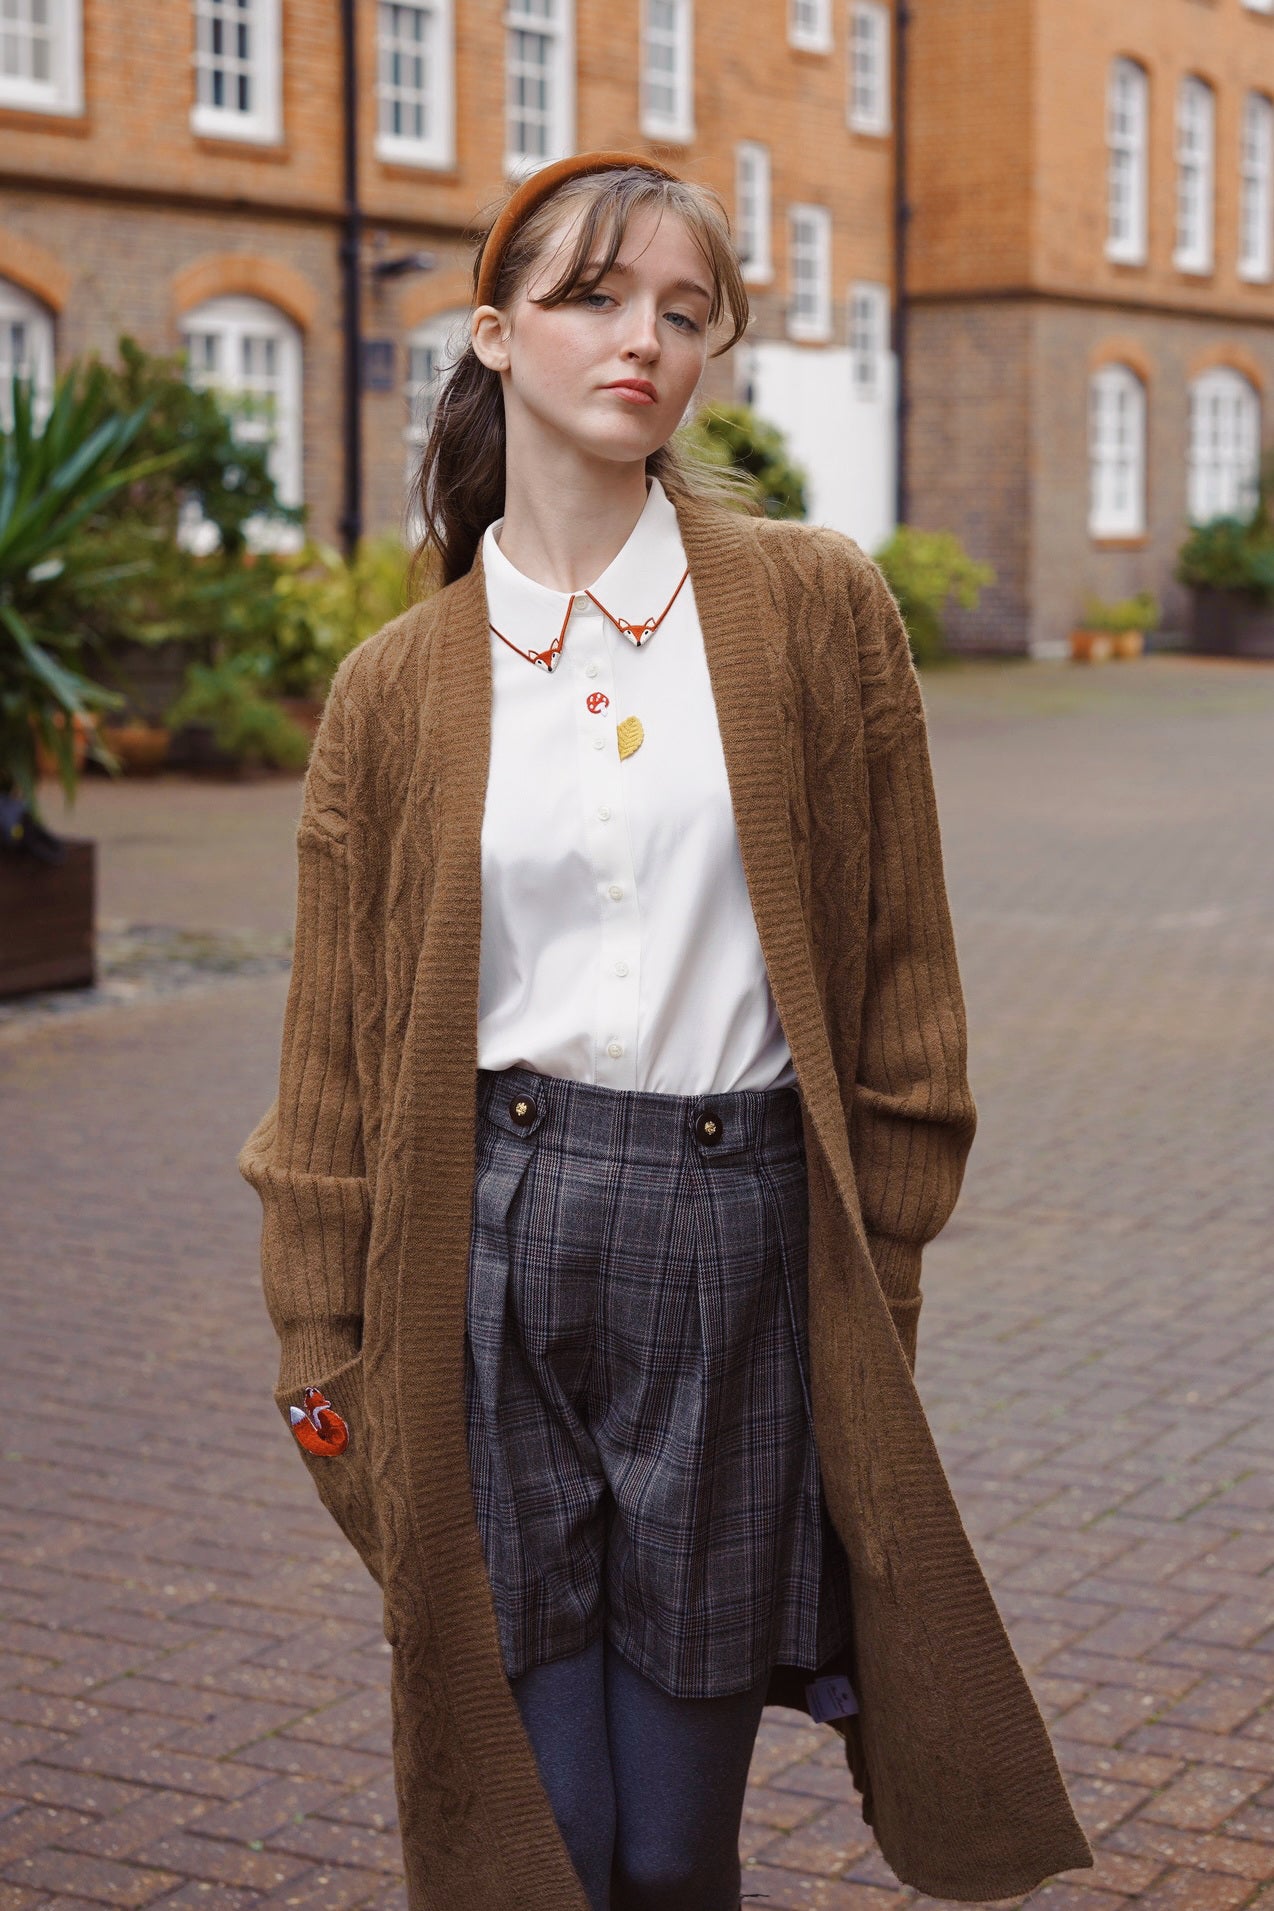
[193,1678]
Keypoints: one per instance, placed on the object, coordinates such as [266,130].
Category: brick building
[1087,306]
[178,172]
[1090,284]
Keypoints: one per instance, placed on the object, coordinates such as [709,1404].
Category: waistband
[638,1124]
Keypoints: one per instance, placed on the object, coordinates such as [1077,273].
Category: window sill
[1130,541]
[45,119]
[401,159]
[226,144]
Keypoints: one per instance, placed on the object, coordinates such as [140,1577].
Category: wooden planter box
[47,914]
[1231,624]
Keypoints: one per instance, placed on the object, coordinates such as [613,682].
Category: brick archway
[246,275]
[35,269]
[1233,357]
[1123,351]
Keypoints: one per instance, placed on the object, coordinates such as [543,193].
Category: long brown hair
[460,486]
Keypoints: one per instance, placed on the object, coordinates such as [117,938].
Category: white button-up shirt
[618,941]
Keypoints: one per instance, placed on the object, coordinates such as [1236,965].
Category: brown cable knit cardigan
[364,1165]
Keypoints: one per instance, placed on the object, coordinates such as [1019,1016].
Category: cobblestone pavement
[192,1672]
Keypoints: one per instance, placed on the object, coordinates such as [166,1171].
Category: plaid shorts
[637,1382]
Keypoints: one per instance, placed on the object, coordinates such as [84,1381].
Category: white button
[599,743]
[621,968]
[616,890]
[614,1048]
[590,670]
[604,812]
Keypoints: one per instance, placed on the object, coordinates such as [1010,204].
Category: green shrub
[228,476]
[324,607]
[230,697]
[925,569]
[1140,612]
[735,435]
[1234,553]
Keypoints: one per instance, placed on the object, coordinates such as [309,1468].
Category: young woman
[623,1081]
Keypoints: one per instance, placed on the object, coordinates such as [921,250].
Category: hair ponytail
[459,489]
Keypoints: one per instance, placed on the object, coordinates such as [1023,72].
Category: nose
[643,332]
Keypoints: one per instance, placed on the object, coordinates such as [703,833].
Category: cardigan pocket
[343,1480]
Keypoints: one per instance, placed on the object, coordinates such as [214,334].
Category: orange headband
[534,190]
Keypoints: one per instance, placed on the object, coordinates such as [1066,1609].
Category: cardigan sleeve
[912,1115]
[305,1155]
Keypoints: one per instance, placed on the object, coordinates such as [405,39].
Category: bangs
[600,233]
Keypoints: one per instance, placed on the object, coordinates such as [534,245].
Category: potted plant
[1228,566]
[1114,628]
[226,724]
[54,474]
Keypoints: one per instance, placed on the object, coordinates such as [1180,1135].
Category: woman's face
[645,320]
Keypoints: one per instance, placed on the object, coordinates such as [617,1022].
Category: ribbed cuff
[897,1265]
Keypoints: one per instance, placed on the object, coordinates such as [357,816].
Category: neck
[564,528]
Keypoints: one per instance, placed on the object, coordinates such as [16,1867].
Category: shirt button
[590,670]
[614,1048]
[621,968]
[599,743]
[604,812]
[616,890]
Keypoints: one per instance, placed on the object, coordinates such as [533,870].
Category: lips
[641,385]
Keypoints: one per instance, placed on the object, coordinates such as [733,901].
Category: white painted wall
[845,443]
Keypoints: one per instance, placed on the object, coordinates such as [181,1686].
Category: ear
[488,335]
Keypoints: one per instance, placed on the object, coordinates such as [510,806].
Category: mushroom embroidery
[317,1425]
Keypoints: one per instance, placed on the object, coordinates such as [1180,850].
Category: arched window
[250,352]
[1116,452]
[1126,174]
[1225,445]
[431,349]
[26,347]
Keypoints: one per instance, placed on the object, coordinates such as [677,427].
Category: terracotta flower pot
[45,761]
[1091,646]
[142,748]
[1129,643]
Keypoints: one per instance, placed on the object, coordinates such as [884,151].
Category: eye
[685,322]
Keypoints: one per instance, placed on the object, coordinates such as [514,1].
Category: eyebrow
[678,285]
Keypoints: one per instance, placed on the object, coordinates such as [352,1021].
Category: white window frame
[869,346]
[233,320]
[1127,169]
[556,24]
[61,90]
[1259,6]
[754,209]
[1256,207]
[26,347]
[677,42]
[434,99]
[809,25]
[1196,169]
[809,230]
[869,67]
[1116,452]
[262,122]
[1225,445]
[438,341]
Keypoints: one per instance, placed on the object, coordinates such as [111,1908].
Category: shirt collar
[636,584]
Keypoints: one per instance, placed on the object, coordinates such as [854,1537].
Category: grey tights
[646,1789]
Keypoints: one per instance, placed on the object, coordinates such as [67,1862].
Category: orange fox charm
[318,1426]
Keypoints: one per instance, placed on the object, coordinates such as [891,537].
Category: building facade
[1090,283]
[178,173]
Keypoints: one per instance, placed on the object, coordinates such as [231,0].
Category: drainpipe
[902,215]
[351,523]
